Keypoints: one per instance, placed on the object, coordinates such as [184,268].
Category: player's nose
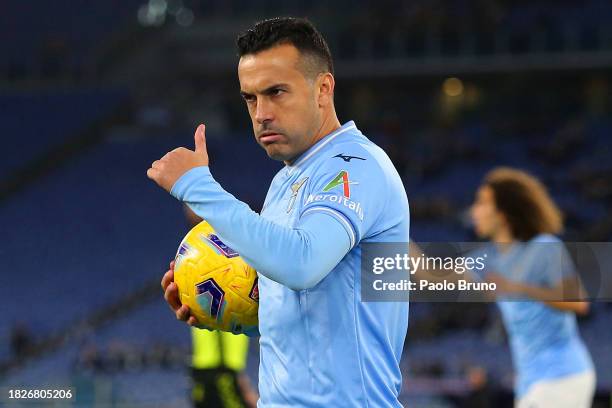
[264,112]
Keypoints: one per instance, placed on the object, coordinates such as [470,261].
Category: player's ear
[325,85]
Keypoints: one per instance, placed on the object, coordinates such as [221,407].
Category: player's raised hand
[167,170]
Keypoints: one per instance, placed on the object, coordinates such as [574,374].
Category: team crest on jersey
[295,189]
[342,179]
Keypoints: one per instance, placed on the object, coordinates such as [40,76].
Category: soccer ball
[214,281]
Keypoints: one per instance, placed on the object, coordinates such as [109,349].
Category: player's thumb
[200,139]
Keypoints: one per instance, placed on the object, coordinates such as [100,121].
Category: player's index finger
[172,297]
[167,279]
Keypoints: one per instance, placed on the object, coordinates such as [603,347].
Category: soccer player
[532,268]
[320,345]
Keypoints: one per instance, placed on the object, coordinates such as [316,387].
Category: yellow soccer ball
[219,287]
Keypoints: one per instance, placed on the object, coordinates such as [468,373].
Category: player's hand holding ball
[167,170]
[210,286]
[171,294]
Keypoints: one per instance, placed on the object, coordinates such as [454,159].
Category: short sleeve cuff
[338,216]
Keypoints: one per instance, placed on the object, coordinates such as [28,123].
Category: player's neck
[329,124]
[503,237]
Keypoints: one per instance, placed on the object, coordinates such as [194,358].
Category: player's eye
[249,98]
[276,91]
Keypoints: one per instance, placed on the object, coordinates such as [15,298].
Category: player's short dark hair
[299,32]
[525,203]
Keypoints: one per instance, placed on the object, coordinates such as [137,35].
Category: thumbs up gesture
[167,170]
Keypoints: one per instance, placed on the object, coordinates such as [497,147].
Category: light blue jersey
[545,342]
[320,345]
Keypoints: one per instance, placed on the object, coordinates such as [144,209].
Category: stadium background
[92,92]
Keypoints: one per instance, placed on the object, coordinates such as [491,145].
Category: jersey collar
[312,150]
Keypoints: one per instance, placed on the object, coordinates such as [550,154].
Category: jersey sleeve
[296,257]
[352,191]
[556,263]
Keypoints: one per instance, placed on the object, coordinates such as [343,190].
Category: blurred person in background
[217,366]
[481,391]
[533,270]
[218,362]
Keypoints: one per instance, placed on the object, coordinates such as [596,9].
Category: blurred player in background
[530,264]
[320,345]
[218,362]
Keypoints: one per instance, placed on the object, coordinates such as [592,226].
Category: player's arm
[558,285]
[296,257]
[557,296]
[578,307]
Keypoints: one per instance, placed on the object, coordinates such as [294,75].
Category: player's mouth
[267,138]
